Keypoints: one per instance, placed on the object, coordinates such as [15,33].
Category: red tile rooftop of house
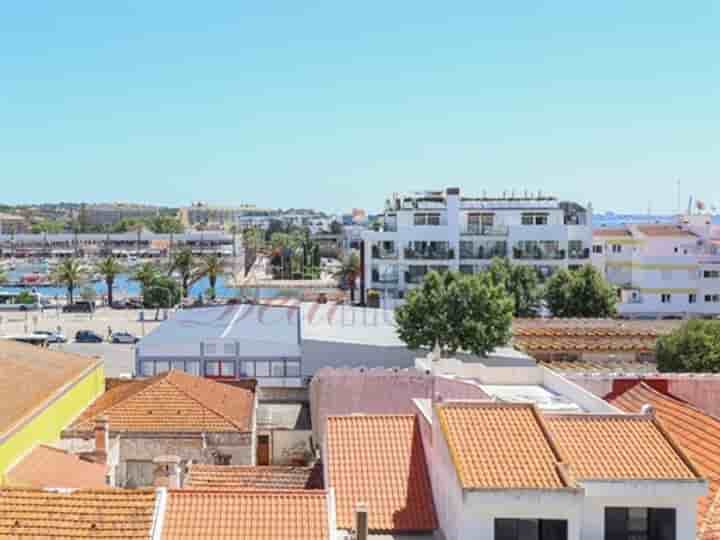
[696,432]
[379,460]
[246,476]
[48,467]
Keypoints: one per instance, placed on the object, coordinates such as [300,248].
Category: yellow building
[41,392]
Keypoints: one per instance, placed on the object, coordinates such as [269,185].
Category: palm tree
[348,273]
[69,273]
[109,268]
[145,274]
[212,266]
[184,263]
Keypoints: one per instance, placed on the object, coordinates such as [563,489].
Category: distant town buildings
[444,230]
[110,214]
[12,224]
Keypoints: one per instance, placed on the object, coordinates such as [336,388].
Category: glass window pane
[505,529]
[192,367]
[262,369]
[212,368]
[210,348]
[637,519]
[229,348]
[662,523]
[615,523]
[179,365]
[528,529]
[227,368]
[278,368]
[148,368]
[248,369]
[292,368]
[161,366]
[553,529]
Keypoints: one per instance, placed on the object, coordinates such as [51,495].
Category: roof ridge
[563,466]
[148,383]
[248,491]
[664,395]
[201,402]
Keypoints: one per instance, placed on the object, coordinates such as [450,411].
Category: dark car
[88,336]
[81,306]
[130,303]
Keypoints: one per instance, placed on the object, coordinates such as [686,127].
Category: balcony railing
[538,254]
[434,254]
[414,278]
[380,253]
[483,253]
[485,230]
[583,253]
[382,277]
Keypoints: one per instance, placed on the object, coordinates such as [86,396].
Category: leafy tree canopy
[580,293]
[694,347]
[521,282]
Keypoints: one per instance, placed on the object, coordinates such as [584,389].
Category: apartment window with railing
[597,248]
[532,218]
[531,529]
[616,248]
[640,523]
[665,298]
[427,219]
[711,274]
[712,298]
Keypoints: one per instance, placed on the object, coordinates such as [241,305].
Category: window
[212,368]
[178,365]
[292,368]
[427,219]
[192,367]
[247,369]
[711,274]
[530,529]
[277,368]
[161,366]
[712,298]
[534,219]
[227,368]
[597,248]
[210,348]
[616,248]
[665,298]
[229,348]
[639,524]
[262,369]
[692,298]
[148,368]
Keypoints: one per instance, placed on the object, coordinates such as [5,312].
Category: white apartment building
[443,230]
[663,270]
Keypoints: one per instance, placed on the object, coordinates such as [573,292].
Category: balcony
[583,253]
[414,279]
[538,255]
[479,229]
[432,254]
[483,253]
[380,253]
[385,277]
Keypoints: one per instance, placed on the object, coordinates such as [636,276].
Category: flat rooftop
[545,399]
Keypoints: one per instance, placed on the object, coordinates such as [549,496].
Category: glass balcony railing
[583,253]
[382,253]
[434,254]
[538,254]
[485,230]
[483,253]
[384,277]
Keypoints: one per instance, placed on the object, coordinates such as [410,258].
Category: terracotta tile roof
[585,344]
[50,467]
[599,366]
[110,513]
[664,230]
[261,515]
[246,476]
[173,401]
[581,327]
[697,433]
[379,460]
[617,447]
[500,446]
[30,376]
[608,231]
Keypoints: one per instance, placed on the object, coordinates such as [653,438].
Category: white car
[51,337]
[124,337]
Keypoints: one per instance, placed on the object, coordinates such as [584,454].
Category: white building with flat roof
[443,230]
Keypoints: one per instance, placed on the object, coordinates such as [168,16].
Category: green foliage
[162,292]
[521,282]
[70,274]
[694,347]
[164,224]
[185,264]
[50,227]
[212,266]
[109,268]
[580,293]
[348,272]
[3,276]
[25,298]
[456,312]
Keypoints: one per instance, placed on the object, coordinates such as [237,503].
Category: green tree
[212,266]
[3,276]
[47,226]
[162,292]
[694,347]
[184,263]
[109,268]
[25,298]
[521,282]
[580,293]
[348,272]
[165,225]
[69,273]
[456,312]
[145,274]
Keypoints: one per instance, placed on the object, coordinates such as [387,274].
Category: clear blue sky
[336,104]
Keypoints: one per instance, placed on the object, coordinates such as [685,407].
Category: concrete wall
[287,445]
[318,354]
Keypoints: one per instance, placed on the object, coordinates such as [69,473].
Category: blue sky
[336,104]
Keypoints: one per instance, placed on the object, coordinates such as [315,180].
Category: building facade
[662,270]
[443,230]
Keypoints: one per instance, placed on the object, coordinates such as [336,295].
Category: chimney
[361,522]
[102,437]
[648,410]
[167,472]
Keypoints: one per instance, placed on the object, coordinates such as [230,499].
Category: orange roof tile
[586,343]
[617,447]
[664,230]
[608,231]
[110,513]
[173,401]
[379,460]
[697,433]
[261,515]
[51,467]
[500,446]
[246,476]
[31,376]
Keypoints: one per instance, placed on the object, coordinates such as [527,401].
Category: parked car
[129,303]
[88,336]
[81,306]
[50,337]
[124,337]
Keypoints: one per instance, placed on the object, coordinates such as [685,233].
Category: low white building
[662,270]
[441,230]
